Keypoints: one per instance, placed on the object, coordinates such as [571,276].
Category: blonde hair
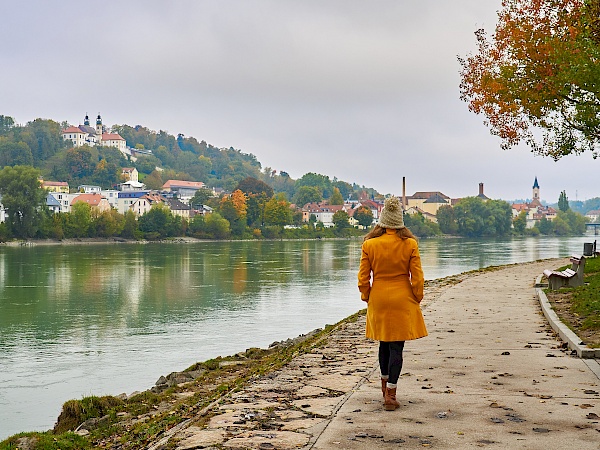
[403,233]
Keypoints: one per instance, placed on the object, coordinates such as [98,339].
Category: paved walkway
[490,374]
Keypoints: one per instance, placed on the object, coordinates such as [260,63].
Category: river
[83,320]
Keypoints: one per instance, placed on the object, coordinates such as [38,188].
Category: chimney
[480,189]
[403,193]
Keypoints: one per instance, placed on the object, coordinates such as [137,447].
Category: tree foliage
[539,70]
[277,211]
[336,198]
[563,202]
[364,216]
[308,194]
[251,185]
[474,217]
[23,198]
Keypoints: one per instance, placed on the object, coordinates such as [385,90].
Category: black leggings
[390,359]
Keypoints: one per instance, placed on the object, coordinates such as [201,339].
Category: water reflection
[96,319]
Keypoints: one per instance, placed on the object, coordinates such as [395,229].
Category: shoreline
[239,368]
[206,383]
[174,240]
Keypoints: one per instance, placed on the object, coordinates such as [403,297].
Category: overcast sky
[365,91]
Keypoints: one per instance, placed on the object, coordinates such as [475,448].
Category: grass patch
[586,299]
[579,308]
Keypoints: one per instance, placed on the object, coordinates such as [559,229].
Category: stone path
[490,374]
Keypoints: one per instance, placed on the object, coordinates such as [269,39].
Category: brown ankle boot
[390,403]
[383,387]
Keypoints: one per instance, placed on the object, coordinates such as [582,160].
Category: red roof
[112,137]
[72,130]
[90,199]
[183,184]
[55,183]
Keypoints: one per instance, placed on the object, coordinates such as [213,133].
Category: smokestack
[403,193]
[480,188]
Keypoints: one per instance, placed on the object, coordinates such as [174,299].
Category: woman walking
[391,255]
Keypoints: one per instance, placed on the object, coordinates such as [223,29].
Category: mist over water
[105,319]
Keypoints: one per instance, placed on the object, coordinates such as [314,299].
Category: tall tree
[563,202]
[336,198]
[22,197]
[539,71]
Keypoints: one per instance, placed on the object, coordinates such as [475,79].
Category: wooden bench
[572,277]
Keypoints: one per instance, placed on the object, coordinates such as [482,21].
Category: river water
[106,319]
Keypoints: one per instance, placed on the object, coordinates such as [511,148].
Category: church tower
[99,127]
[86,121]
[536,190]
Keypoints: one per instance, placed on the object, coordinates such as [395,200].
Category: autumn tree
[535,79]
[277,211]
[336,198]
[364,216]
[233,208]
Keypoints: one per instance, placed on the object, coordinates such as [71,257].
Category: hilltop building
[534,210]
[88,135]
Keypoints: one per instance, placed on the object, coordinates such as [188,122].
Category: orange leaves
[535,71]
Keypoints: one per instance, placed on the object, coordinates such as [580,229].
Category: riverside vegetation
[579,308]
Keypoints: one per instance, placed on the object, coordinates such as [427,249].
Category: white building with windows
[88,135]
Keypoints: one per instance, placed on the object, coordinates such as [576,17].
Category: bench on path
[572,277]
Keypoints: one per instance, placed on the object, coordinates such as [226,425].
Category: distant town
[261,204]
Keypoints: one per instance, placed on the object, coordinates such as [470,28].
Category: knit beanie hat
[391,214]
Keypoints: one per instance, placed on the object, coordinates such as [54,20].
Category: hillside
[39,144]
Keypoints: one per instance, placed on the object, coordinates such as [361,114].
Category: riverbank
[295,393]
[174,240]
[141,417]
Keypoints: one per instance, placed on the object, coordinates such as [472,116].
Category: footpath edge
[568,336]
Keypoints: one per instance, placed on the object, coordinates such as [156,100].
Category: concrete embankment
[491,373]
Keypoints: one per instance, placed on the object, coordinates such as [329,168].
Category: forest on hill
[39,144]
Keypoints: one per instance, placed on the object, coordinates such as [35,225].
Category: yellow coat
[393,311]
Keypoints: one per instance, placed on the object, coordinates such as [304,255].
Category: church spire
[536,190]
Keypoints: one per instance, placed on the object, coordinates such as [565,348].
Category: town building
[534,210]
[130,174]
[322,212]
[428,202]
[56,186]
[593,215]
[95,200]
[183,190]
[88,135]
